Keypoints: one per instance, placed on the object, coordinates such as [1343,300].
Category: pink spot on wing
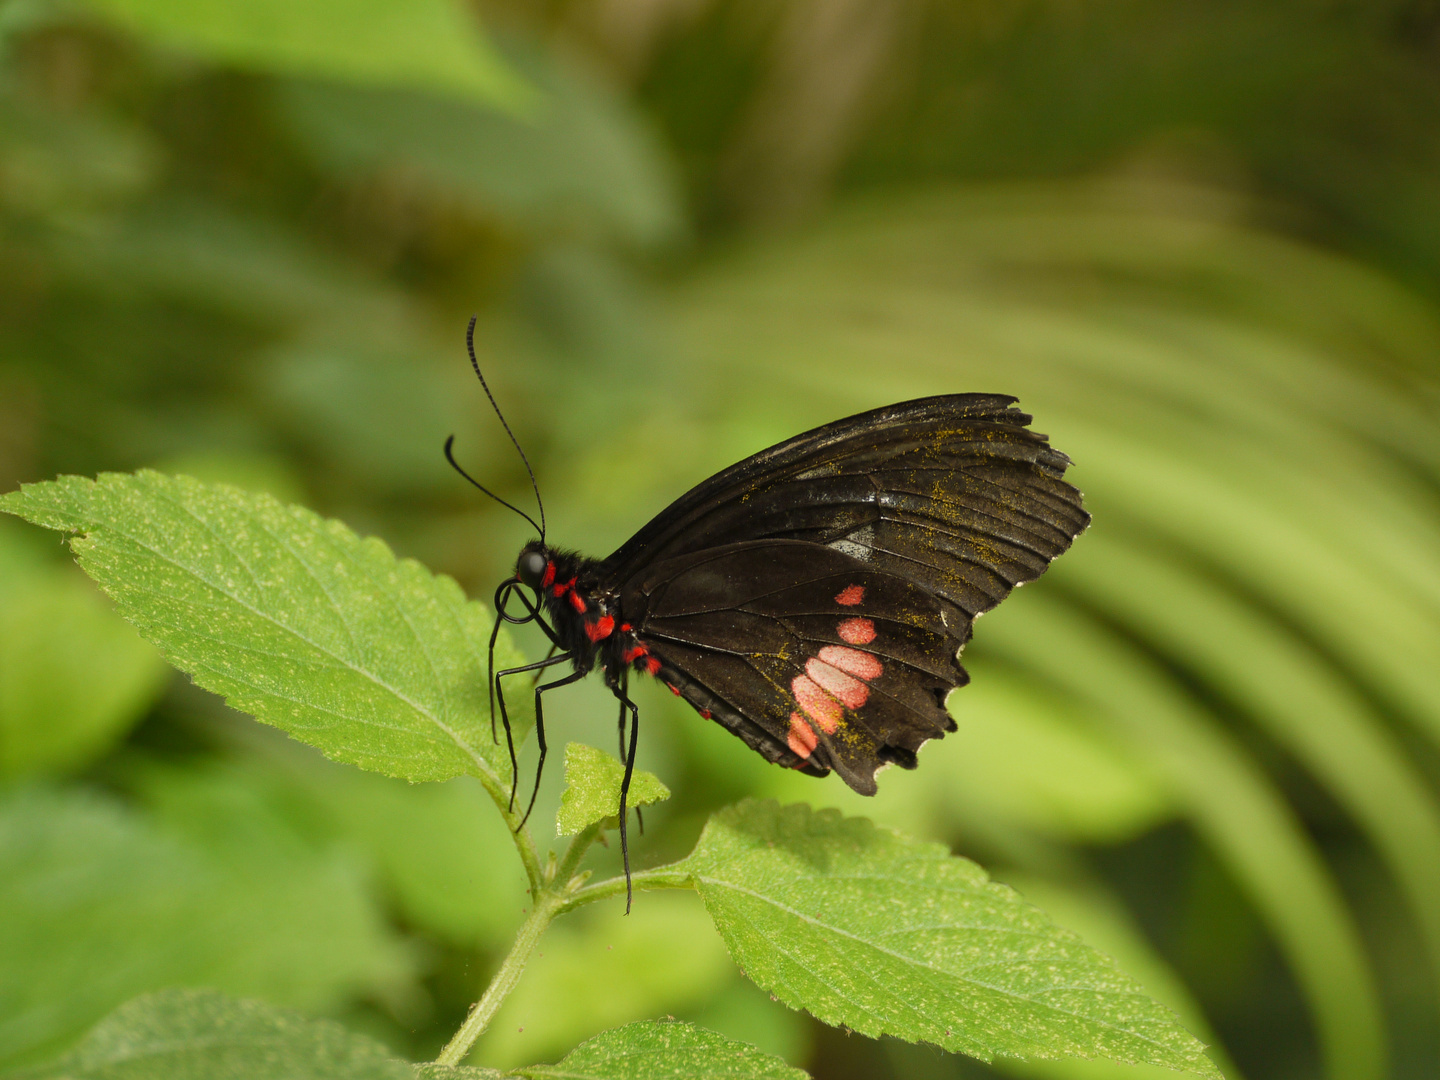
[705,713]
[850,595]
[852,692]
[803,739]
[823,709]
[673,689]
[857,631]
[862,665]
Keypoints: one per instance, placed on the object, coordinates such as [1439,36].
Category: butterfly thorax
[585,614]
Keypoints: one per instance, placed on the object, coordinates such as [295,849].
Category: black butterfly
[812,599]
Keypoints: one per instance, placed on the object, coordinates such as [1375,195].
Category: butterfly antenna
[470,347]
[450,457]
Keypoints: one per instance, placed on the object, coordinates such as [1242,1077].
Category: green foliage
[200,1035]
[662,1050]
[246,251]
[581,166]
[293,619]
[428,43]
[73,677]
[885,935]
[185,1034]
[101,904]
[957,961]
[592,790]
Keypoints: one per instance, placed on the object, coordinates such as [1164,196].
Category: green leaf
[73,676]
[592,789]
[435,44]
[99,905]
[294,619]
[868,929]
[664,1050]
[202,1035]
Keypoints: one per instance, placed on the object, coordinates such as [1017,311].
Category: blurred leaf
[592,790]
[664,1050]
[435,44]
[1232,803]
[600,968]
[741,1010]
[63,164]
[446,857]
[432,1071]
[865,928]
[584,165]
[73,676]
[202,1035]
[1021,757]
[441,855]
[1290,690]
[99,906]
[293,619]
[377,409]
[249,472]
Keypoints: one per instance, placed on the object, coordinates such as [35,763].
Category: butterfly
[814,598]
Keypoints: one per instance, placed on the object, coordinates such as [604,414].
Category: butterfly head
[532,564]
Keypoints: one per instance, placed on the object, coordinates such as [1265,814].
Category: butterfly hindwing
[817,660]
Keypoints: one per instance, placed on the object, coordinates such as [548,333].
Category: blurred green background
[1200,242]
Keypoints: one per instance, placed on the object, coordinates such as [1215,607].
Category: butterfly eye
[531,568]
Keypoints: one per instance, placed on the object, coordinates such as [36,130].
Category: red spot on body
[600,629]
[652,665]
[850,595]
[634,653]
[705,713]
[803,739]
[549,578]
[577,601]
[823,709]
[857,631]
[625,626]
[561,590]
[862,665]
[673,689]
[852,692]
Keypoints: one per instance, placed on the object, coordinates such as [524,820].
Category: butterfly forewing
[954,492]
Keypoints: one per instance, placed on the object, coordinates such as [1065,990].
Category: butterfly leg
[629,754]
[574,676]
[497,690]
[639,817]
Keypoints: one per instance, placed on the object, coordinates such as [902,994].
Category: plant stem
[547,906]
[574,853]
[553,896]
[662,877]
